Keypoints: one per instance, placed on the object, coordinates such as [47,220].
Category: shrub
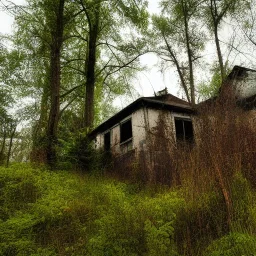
[80,152]
[233,244]
[83,215]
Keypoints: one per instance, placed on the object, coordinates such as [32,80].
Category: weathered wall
[144,122]
[115,139]
[99,140]
[138,128]
[246,86]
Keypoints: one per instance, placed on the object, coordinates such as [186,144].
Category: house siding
[144,120]
[245,87]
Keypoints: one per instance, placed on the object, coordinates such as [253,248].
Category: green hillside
[67,213]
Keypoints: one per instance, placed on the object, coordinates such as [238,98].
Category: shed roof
[167,102]
[237,73]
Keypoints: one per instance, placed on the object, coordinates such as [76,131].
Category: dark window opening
[107,141]
[184,130]
[126,131]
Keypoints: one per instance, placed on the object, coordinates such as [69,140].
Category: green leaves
[81,215]
[233,244]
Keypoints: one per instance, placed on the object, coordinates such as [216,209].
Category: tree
[108,51]
[46,23]
[69,47]
[56,24]
[215,12]
[179,41]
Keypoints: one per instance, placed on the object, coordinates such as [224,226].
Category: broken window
[184,129]
[126,131]
[107,141]
[126,136]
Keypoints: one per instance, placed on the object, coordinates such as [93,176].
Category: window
[126,136]
[126,131]
[107,141]
[184,130]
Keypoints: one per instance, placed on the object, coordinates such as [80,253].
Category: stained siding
[142,120]
[139,129]
[115,139]
[247,86]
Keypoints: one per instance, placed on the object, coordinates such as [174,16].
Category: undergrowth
[65,213]
[62,213]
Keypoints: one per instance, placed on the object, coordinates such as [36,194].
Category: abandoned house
[128,130]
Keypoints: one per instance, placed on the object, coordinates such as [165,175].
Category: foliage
[65,213]
[68,213]
[178,41]
[233,244]
[80,152]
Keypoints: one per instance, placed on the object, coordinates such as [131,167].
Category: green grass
[67,213]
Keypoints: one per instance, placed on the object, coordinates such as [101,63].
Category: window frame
[110,136]
[184,137]
[126,145]
[120,125]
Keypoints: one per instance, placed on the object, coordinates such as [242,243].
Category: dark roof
[238,72]
[168,102]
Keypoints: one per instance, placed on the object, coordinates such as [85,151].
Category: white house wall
[139,128]
[143,120]
[99,141]
[246,87]
[115,139]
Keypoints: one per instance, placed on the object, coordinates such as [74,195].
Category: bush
[69,214]
[80,152]
[233,244]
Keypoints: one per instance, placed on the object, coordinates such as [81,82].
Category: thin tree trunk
[90,72]
[220,58]
[39,131]
[182,79]
[216,20]
[10,146]
[3,143]
[55,76]
[190,59]
[2,148]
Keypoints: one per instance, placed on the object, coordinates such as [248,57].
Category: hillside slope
[63,213]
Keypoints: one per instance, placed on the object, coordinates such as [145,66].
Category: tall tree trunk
[216,18]
[181,76]
[220,58]
[13,130]
[39,130]
[55,76]
[2,156]
[90,71]
[190,59]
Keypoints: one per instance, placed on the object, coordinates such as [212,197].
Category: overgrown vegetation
[208,210]
[215,176]
[46,213]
